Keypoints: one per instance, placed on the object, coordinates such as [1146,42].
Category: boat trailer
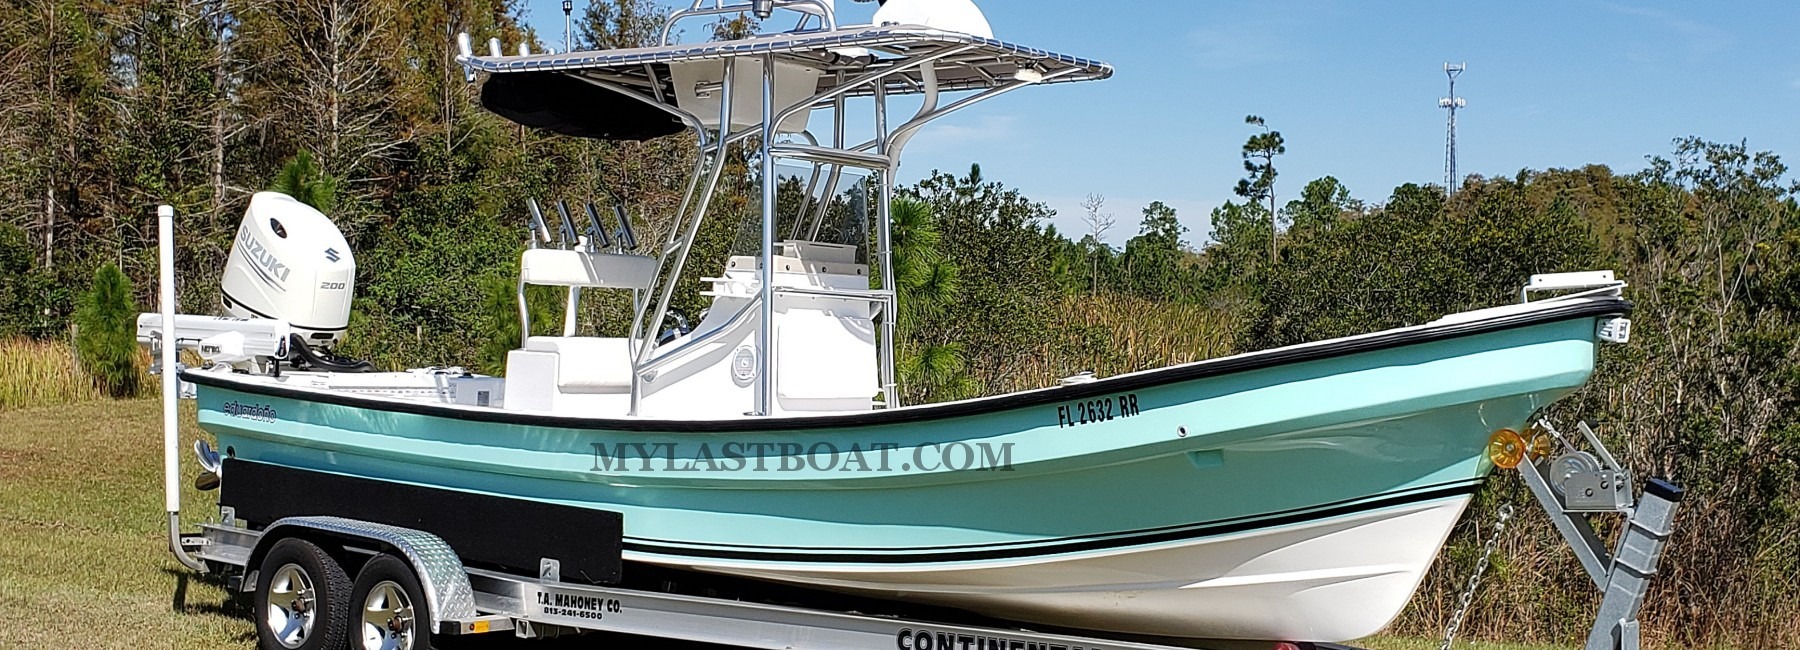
[453,599]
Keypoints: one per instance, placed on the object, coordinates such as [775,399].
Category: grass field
[82,551]
[82,546]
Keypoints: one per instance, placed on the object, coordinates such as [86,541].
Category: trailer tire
[391,610]
[305,591]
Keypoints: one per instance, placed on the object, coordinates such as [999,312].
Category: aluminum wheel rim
[387,618]
[292,604]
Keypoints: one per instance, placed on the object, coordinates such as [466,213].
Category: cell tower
[1451,103]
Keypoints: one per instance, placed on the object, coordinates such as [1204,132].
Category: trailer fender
[439,569]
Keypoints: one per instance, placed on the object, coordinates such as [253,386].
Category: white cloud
[1699,40]
[948,135]
[1241,45]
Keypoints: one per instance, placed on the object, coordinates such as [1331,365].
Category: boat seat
[577,268]
[587,364]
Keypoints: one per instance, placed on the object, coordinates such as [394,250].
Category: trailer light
[1506,448]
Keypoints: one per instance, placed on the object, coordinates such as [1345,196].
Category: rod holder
[466,50]
[626,236]
[568,224]
[596,233]
[540,231]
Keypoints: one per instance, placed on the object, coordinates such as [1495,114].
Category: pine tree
[302,179]
[615,24]
[106,333]
[1154,257]
[929,368]
[1259,162]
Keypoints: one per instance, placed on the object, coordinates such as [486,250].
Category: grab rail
[730,324]
[762,8]
[814,153]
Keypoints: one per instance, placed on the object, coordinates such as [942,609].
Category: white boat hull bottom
[1328,580]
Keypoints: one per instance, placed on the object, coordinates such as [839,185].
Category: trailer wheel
[394,613]
[302,598]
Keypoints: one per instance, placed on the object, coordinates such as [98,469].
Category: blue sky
[1353,86]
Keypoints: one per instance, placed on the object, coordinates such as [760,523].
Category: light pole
[568,26]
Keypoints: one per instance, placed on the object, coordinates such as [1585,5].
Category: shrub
[106,337]
[500,319]
[16,305]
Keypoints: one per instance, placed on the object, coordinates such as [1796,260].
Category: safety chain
[1468,594]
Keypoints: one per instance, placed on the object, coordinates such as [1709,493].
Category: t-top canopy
[547,90]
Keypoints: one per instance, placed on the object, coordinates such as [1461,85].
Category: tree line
[116,107]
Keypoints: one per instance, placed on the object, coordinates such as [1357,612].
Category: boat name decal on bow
[552,603]
[1099,409]
[258,412]
[910,639]
[795,457]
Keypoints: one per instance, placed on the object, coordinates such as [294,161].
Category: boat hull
[1300,498]
[1337,578]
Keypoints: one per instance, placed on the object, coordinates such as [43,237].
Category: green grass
[83,559]
[82,549]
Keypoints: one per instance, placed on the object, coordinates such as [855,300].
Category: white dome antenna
[948,15]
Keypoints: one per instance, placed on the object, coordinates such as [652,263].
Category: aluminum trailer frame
[466,600]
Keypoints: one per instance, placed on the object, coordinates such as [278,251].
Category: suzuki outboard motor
[290,263]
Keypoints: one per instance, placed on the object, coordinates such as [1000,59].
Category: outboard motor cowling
[289,262]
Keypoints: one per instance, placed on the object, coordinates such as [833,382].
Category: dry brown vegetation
[1113,334]
[41,373]
[44,373]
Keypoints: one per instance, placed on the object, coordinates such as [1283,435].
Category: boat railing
[1580,283]
[829,155]
[821,9]
[872,295]
[642,368]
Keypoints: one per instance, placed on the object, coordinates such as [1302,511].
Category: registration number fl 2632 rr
[1098,409]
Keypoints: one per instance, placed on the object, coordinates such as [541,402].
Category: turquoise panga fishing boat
[1297,493]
